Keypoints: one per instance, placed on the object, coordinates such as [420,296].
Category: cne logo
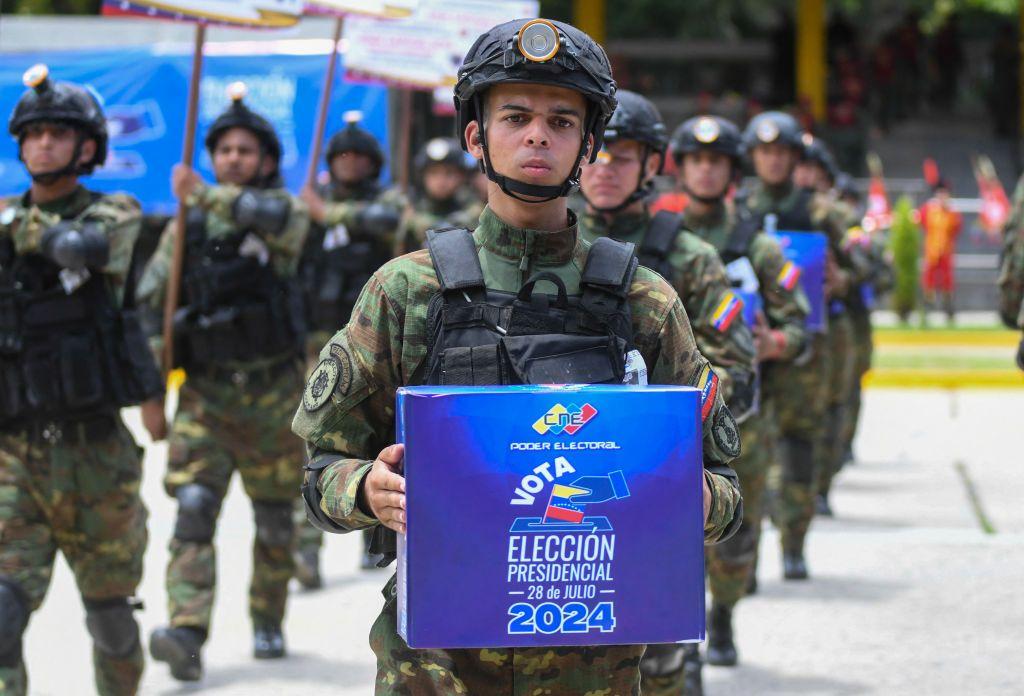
[564,419]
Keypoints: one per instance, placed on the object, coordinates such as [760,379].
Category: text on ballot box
[551,515]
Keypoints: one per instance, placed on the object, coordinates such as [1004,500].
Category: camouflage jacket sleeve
[1011,279]
[786,310]
[285,247]
[153,283]
[347,213]
[714,310]
[854,266]
[662,334]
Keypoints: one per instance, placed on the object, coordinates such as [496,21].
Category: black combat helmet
[65,103]
[440,151]
[536,51]
[355,138]
[239,115]
[773,127]
[846,186]
[712,133]
[636,118]
[816,151]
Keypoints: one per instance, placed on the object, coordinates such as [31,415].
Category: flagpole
[325,102]
[404,138]
[187,156]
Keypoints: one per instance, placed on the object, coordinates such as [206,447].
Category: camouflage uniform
[1011,270]
[731,564]
[75,491]
[383,346]
[806,411]
[699,279]
[463,210]
[371,249]
[231,419]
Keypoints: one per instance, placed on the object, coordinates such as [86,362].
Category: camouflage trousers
[863,351]
[79,497]
[605,670]
[221,427]
[731,563]
[840,381]
[800,396]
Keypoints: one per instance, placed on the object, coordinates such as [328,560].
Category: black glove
[377,219]
[76,246]
[265,214]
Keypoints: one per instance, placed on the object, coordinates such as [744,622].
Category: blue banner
[145,91]
[551,516]
[807,254]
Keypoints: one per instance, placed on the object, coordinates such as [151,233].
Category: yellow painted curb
[943,337]
[945,379]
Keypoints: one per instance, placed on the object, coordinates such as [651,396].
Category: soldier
[806,421]
[444,198]
[1011,270]
[355,231]
[532,99]
[239,335]
[72,353]
[616,189]
[817,169]
[708,154]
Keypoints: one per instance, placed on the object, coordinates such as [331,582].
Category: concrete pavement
[908,594]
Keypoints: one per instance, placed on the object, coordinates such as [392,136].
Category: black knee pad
[14,610]
[198,507]
[112,625]
[274,523]
[797,460]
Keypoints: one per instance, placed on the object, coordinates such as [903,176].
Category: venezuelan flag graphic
[728,309]
[708,386]
[789,276]
[560,509]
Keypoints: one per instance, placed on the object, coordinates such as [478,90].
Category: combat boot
[793,565]
[181,649]
[822,506]
[267,642]
[307,569]
[721,648]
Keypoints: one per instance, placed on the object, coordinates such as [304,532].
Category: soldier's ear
[473,140]
[88,151]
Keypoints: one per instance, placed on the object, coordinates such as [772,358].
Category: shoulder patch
[707,384]
[344,363]
[727,310]
[321,384]
[726,435]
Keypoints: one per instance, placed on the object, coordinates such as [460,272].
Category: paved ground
[909,595]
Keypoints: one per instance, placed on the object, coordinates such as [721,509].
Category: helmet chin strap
[517,189]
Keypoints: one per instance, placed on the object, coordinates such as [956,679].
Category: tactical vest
[480,336]
[659,241]
[336,264]
[66,356]
[233,307]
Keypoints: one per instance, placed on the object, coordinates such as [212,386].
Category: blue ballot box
[551,515]
[806,254]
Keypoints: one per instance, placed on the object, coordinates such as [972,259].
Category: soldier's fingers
[392,456]
[384,480]
[385,501]
[394,526]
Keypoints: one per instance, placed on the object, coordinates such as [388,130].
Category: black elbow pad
[76,245]
[311,495]
[262,213]
[746,393]
[378,219]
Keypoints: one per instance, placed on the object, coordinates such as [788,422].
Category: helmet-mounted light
[539,40]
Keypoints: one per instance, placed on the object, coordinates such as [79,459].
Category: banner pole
[187,155]
[325,101]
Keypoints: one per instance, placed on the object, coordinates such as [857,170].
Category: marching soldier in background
[817,169]
[443,198]
[1011,271]
[239,334]
[533,99]
[355,231]
[774,143]
[708,154]
[72,353]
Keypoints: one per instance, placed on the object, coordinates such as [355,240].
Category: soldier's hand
[1020,354]
[766,342]
[317,208]
[707,498]
[184,181]
[154,419]
[384,488]
[835,279]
